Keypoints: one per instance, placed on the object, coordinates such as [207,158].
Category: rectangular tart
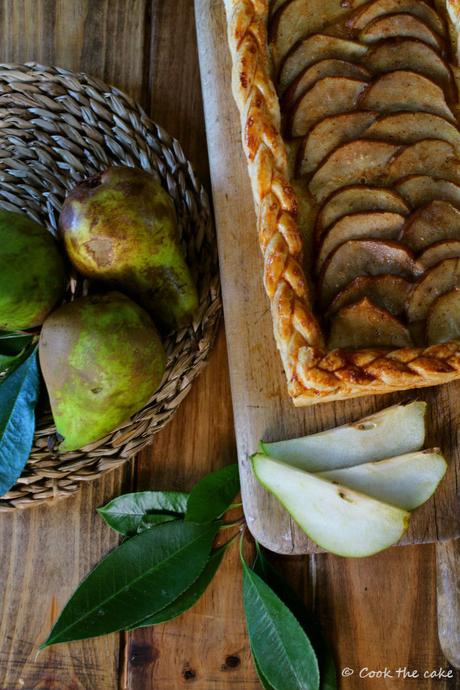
[349,116]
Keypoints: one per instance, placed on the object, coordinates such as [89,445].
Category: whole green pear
[102,360]
[32,272]
[120,227]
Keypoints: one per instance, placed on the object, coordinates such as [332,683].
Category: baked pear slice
[443,320]
[406,481]
[429,156]
[433,223]
[328,96]
[314,48]
[395,430]
[358,162]
[447,249]
[418,190]
[438,280]
[402,25]
[357,199]
[408,128]
[372,10]
[364,258]
[324,68]
[413,55]
[299,18]
[406,91]
[378,225]
[387,291]
[365,325]
[340,520]
[329,134]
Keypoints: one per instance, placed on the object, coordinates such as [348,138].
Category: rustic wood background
[376,612]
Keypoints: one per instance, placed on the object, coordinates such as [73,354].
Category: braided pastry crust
[313,373]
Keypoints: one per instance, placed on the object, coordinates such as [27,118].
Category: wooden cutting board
[262,408]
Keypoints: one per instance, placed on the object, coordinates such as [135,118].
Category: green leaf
[14,349]
[131,513]
[11,343]
[283,651]
[139,578]
[149,521]
[7,362]
[263,681]
[213,495]
[191,595]
[18,397]
[274,579]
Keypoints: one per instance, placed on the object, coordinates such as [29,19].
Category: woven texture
[313,374]
[57,128]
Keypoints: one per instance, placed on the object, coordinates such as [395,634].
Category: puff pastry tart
[349,121]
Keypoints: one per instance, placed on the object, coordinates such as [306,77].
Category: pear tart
[349,113]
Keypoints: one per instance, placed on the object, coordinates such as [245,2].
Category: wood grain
[261,405]
[448,588]
[377,613]
[207,645]
[46,550]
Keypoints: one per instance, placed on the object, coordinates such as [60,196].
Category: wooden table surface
[377,612]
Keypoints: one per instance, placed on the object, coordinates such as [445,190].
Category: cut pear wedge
[393,431]
[338,519]
[405,481]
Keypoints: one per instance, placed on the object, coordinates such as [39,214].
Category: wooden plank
[47,550]
[208,645]
[261,405]
[210,639]
[448,588]
[95,36]
[377,613]
[45,553]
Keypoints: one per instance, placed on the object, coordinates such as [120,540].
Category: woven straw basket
[56,128]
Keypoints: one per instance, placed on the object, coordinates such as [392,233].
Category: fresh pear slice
[405,481]
[338,519]
[393,431]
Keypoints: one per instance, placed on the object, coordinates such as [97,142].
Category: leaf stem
[231,540]
[227,525]
[234,505]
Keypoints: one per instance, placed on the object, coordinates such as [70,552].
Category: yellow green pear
[102,360]
[32,272]
[120,227]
